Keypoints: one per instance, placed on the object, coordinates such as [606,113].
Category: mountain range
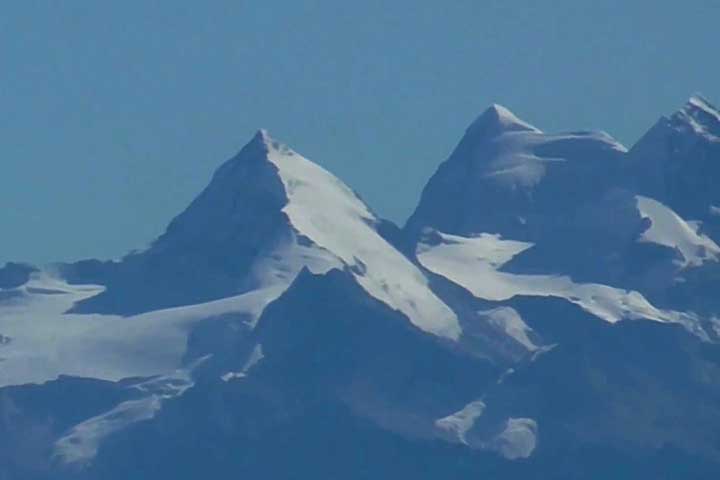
[549,311]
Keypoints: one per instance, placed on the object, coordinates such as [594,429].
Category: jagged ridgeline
[549,310]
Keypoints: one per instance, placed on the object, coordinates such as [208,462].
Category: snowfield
[474,263]
[668,229]
[47,342]
[401,336]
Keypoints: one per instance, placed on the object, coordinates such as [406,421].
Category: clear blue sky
[115,114]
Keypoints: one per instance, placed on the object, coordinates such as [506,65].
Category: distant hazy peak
[257,149]
[496,120]
[700,116]
[267,142]
[697,102]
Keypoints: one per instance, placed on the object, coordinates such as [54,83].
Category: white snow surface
[488,248]
[509,321]
[668,229]
[515,439]
[466,262]
[699,102]
[502,118]
[47,342]
[325,210]
[514,163]
[701,128]
[458,424]
[81,443]
[255,356]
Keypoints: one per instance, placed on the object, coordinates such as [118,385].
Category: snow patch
[702,117]
[514,438]
[517,440]
[459,423]
[490,249]
[670,230]
[509,321]
[81,443]
[461,261]
[255,356]
[702,104]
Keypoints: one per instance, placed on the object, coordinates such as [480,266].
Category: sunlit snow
[81,443]
[47,342]
[668,229]
[325,210]
[470,263]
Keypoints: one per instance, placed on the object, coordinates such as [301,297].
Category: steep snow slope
[223,239]
[267,213]
[327,212]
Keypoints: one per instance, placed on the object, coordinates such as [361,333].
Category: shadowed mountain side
[336,364]
[33,417]
[509,178]
[548,312]
[207,251]
[677,162]
[636,387]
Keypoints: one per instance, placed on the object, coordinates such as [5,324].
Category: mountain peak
[265,142]
[700,103]
[498,119]
[260,151]
[700,116]
[263,136]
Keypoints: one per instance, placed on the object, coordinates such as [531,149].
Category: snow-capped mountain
[676,162]
[548,311]
[508,177]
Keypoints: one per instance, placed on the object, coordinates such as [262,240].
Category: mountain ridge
[547,301]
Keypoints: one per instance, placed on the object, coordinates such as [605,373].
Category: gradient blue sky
[115,114]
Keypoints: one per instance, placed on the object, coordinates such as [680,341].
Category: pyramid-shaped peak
[262,136]
[262,148]
[265,141]
[498,119]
